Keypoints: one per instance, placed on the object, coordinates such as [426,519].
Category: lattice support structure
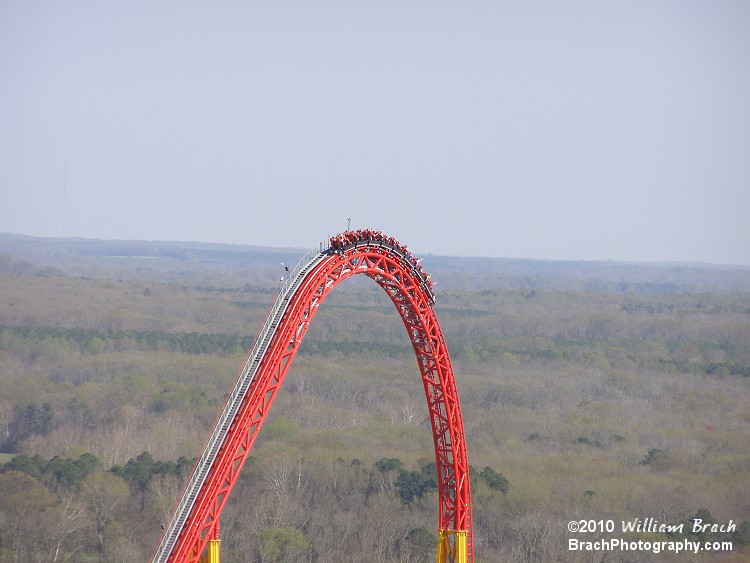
[195,525]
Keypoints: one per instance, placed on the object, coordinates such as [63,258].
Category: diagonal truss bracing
[196,518]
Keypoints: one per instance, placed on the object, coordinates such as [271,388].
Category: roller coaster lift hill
[192,534]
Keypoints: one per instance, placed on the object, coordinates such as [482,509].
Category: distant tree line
[104,504]
[92,340]
[413,485]
[56,472]
[557,349]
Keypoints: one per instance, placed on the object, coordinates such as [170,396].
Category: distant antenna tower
[348,223]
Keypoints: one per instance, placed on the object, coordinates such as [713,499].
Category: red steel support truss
[396,271]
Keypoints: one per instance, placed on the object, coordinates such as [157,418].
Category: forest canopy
[603,389]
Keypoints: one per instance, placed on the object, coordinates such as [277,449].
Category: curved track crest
[195,522]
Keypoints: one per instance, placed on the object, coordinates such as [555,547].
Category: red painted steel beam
[393,268]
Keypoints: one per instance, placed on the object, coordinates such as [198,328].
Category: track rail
[195,521]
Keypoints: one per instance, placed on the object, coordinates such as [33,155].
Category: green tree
[420,545]
[69,472]
[285,544]
[138,473]
[24,502]
[742,535]
[414,484]
[495,480]
[656,458]
[29,421]
[702,516]
[31,465]
[105,496]
[387,464]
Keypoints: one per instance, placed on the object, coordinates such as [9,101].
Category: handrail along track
[232,405]
[393,267]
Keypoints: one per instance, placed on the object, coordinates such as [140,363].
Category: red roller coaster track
[195,523]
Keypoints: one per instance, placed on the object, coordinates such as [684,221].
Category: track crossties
[195,524]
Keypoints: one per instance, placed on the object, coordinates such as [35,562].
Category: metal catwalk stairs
[234,401]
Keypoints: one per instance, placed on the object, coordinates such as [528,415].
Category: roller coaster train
[192,534]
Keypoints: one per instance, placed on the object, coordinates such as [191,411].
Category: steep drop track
[194,526]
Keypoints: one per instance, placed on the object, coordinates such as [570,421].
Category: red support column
[396,271]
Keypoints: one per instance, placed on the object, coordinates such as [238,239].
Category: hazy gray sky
[562,130]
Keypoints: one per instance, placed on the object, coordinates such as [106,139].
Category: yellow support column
[212,552]
[444,546]
[461,545]
[455,552]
